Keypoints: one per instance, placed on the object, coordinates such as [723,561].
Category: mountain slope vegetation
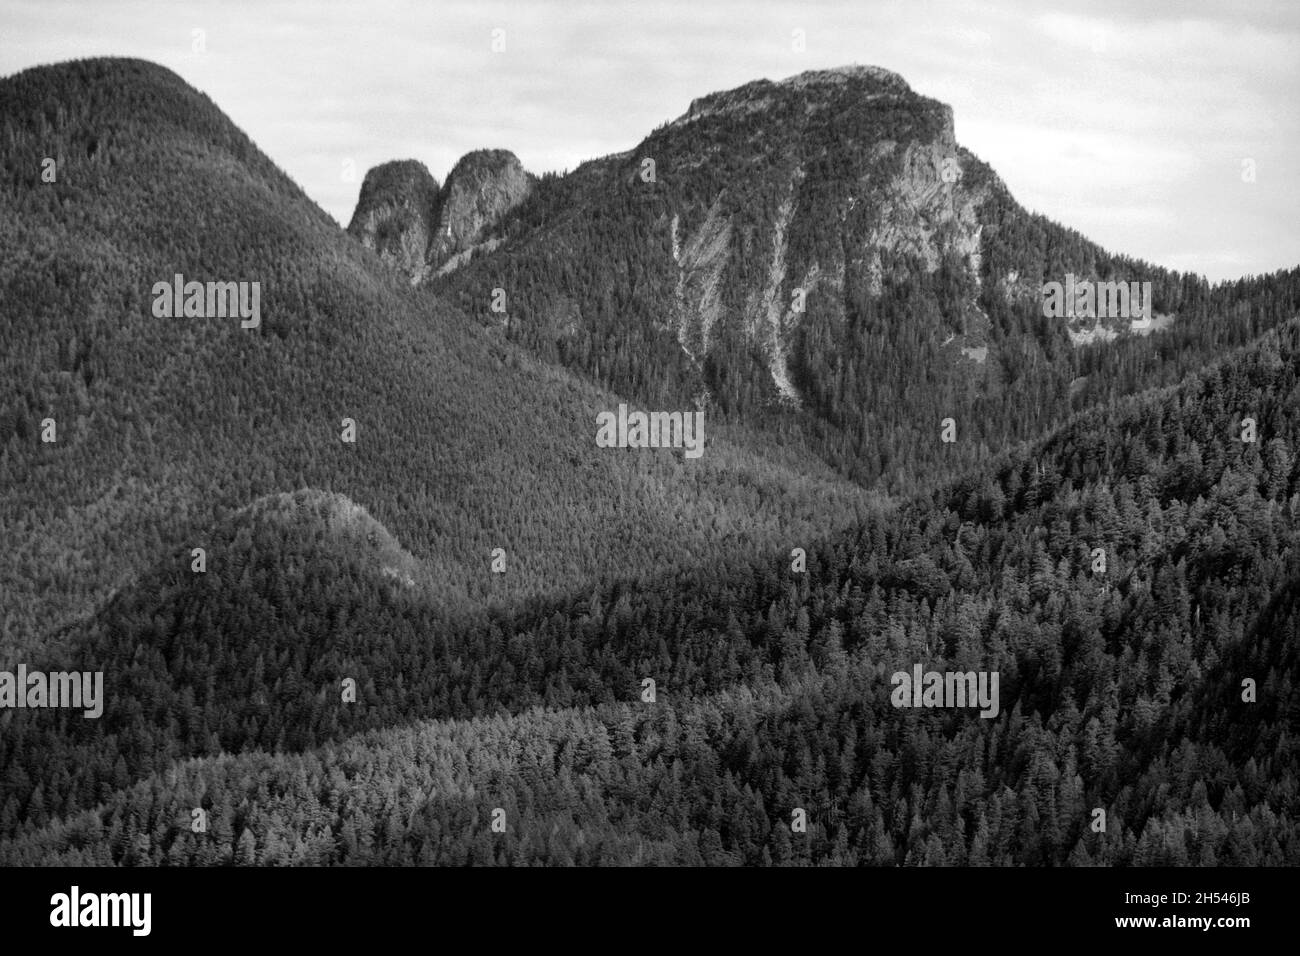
[164,426]
[1121,688]
[680,654]
[821,258]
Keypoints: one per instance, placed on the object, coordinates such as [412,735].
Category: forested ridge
[1121,684]
[465,443]
[594,263]
[1121,690]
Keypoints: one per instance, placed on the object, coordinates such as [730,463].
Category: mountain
[464,443]
[1124,689]
[482,189]
[396,214]
[418,229]
[820,257]
[317,642]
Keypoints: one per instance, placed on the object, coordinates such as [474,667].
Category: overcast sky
[1131,125]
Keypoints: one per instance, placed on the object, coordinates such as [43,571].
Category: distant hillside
[819,256]
[1123,687]
[166,425]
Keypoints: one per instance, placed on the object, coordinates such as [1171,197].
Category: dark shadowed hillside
[1122,688]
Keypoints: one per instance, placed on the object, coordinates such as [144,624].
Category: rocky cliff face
[420,229]
[480,190]
[396,214]
[787,242]
[851,172]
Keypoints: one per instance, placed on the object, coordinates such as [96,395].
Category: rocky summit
[396,214]
[419,229]
[787,247]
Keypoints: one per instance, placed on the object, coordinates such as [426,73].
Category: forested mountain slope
[820,256]
[1122,686]
[164,426]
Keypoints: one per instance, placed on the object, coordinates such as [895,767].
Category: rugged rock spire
[396,214]
[418,228]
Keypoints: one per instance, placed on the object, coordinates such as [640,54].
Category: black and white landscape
[778,490]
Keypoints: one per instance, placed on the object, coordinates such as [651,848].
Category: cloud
[1127,122]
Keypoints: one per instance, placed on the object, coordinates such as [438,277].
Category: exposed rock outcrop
[420,229]
[851,198]
[480,190]
[396,214]
[768,245]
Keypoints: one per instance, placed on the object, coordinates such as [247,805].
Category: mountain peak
[804,92]
[481,189]
[93,111]
[840,75]
[416,226]
[396,214]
